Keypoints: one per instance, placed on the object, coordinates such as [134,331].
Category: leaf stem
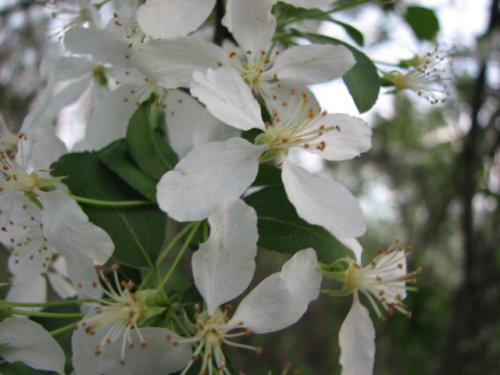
[179,255]
[45,304]
[64,329]
[43,314]
[172,242]
[103,203]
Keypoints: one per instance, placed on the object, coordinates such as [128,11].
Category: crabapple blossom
[222,270]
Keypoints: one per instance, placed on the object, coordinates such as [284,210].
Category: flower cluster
[206,135]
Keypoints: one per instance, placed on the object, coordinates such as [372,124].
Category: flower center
[252,73]
[120,313]
[384,280]
[210,333]
[295,124]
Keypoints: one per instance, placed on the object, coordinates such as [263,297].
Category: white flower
[109,339]
[26,341]
[39,221]
[255,60]
[172,18]
[428,76]
[215,171]
[223,268]
[383,283]
[34,258]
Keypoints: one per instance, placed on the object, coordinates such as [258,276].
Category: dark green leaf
[269,175]
[280,228]
[137,232]
[147,142]
[354,33]
[362,80]
[423,21]
[117,158]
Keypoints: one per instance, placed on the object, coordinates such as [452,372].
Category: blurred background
[432,179]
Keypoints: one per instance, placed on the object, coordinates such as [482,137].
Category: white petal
[29,290]
[352,137]
[61,286]
[109,119]
[69,231]
[100,44]
[41,147]
[171,63]
[189,124]
[357,341]
[322,201]
[49,109]
[224,265]
[171,18]
[65,67]
[206,177]
[158,357]
[355,247]
[83,275]
[26,341]
[228,98]
[311,64]
[251,23]
[282,298]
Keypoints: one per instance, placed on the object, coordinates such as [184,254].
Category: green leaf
[362,80]
[282,230]
[137,232]
[354,33]
[268,175]
[423,21]
[117,158]
[147,142]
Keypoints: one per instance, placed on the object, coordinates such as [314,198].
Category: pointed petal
[61,286]
[159,356]
[311,64]
[351,137]
[83,275]
[282,298]
[69,231]
[251,23]
[102,45]
[224,265]
[109,119]
[28,290]
[65,67]
[322,201]
[171,18]
[41,146]
[355,247]
[228,98]
[189,124]
[206,177]
[171,63]
[357,341]
[26,341]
